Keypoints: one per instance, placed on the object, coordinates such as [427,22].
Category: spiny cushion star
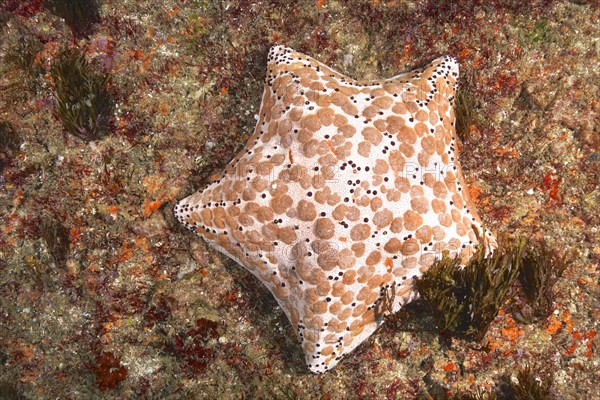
[346,192]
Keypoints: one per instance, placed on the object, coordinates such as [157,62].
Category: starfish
[346,192]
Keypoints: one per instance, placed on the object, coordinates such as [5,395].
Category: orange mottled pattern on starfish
[346,192]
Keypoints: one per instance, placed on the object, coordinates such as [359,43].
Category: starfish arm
[345,193]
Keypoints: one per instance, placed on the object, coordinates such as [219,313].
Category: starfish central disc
[345,193]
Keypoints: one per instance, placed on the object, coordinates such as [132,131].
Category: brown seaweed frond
[532,384]
[84,103]
[79,15]
[541,269]
[466,300]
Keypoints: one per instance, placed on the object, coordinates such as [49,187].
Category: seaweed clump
[531,385]
[10,391]
[465,114]
[56,237]
[467,109]
[23,56]
[540,270]
[79,15]
[9,143]
[477,395]
[84,103]
[194,346]
[466,300]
